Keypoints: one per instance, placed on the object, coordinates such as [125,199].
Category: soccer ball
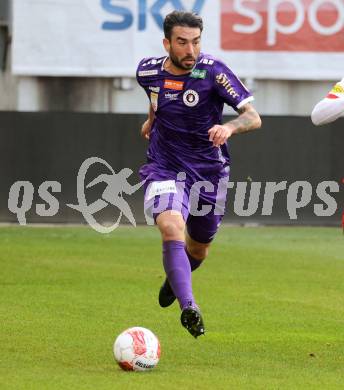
[137,349]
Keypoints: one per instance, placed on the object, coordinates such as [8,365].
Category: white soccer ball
[137,349]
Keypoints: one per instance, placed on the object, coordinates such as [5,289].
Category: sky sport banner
[279,39]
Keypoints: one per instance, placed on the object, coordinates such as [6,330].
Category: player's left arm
[331,107]
[247,120]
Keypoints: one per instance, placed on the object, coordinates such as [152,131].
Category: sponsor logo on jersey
[144,73]
[190,98]
[173,84]
[222,79]
[152,62]
[154,100]
[171,96]
[206,61]
[154,89]
[199,74]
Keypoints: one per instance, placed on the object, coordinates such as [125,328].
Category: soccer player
[187,90]
[331,107]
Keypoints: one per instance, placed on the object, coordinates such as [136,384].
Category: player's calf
[166,294]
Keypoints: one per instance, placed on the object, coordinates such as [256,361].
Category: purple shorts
[202,204]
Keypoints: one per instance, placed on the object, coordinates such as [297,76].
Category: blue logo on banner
[127,17]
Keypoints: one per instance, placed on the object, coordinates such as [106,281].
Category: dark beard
[179,65]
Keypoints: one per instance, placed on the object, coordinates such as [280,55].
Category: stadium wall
[40,147]
[107,95]
[124,96]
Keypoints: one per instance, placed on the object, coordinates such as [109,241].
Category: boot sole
[191,319]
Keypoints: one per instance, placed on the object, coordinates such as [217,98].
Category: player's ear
[167,44]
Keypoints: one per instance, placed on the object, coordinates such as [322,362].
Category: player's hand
[146,129]
[219,134]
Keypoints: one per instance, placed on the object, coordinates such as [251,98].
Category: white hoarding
[286,39]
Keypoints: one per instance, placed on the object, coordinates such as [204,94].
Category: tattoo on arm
[247,120]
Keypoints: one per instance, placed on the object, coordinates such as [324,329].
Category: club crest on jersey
[199,74]
[154,100]
[190,98]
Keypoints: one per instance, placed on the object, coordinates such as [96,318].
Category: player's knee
[172,229]
[199,252]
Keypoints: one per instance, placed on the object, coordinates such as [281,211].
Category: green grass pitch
[272,300]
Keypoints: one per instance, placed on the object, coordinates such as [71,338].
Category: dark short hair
[181,18]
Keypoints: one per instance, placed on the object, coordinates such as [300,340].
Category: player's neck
[171,68]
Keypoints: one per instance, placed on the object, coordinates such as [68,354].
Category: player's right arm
[147,125]
[331,107]
[146,73]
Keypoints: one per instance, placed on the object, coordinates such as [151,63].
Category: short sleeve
[331,107]
[337,91]
[138,72]
[229,87]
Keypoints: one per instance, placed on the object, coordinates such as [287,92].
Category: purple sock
[194,263]
[178,271]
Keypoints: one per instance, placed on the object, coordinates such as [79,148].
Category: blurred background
[68,92]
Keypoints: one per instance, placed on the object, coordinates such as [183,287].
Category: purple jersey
[186,107]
